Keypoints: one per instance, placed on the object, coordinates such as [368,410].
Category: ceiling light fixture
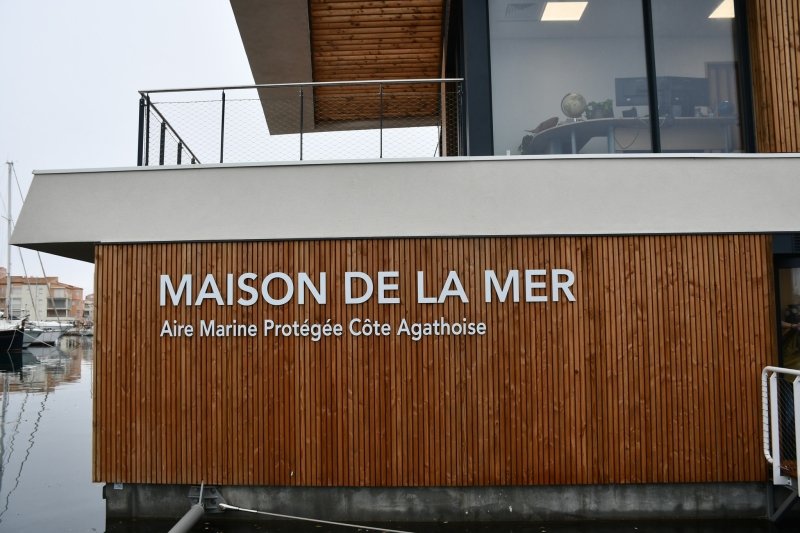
[723,11]
[563,11]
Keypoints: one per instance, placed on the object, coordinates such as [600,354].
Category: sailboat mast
[8,246]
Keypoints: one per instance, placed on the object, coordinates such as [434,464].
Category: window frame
[473,18]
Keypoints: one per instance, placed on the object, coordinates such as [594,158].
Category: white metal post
[765,414]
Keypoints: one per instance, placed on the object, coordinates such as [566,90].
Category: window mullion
[652,84]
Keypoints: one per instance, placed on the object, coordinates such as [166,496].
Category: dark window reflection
[789,298]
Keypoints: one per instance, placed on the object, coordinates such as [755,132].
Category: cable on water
[226,507]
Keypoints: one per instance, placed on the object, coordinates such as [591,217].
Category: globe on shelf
[726,109]
[573,105]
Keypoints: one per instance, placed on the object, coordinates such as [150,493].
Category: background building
[40,298]
[88,310]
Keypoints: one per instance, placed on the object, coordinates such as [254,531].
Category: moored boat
[30,336]
[11,340]
[51,331]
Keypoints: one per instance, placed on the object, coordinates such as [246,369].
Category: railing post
[301,123]
[222,131]
[441,112]
[180,149]
[147,132]
[765,415]
[796,392]
[140,147]
[161,145]
[459,121]
[380,112]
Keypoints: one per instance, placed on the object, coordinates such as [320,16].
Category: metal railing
[301,121]
[780,407]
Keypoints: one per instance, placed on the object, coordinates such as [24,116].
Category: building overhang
[295,42]
[277,40]
[488,196]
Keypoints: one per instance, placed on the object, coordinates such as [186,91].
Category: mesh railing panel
[787,420]
[285,125]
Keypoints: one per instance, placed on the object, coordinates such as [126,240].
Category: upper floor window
[572,77]
[696,68]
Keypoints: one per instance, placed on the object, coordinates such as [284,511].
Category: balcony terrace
[301,122]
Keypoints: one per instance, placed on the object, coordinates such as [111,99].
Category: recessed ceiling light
[723,11]
[563,10]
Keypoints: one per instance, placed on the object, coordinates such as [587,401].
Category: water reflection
[45,440]
[42,368]
[45,464]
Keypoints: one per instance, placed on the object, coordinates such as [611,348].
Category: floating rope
[226,507]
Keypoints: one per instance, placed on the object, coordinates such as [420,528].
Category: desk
[633,134]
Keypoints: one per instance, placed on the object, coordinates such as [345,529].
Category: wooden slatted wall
[774,27]
[652,375]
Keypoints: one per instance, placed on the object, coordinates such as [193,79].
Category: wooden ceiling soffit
[375,40]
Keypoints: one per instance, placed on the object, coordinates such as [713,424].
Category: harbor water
[46,454]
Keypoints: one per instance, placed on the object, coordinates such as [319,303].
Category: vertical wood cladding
[652,375]
[774,27]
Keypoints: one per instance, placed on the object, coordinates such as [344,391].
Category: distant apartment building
[41,298]
[88,309]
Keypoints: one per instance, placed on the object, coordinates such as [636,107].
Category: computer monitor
[677,95]
[631,91]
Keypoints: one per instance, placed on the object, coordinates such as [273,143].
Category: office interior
[601,55]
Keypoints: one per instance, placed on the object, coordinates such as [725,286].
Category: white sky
[69,75]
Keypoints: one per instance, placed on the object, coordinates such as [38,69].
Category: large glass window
[568,77]
[571,76]
[696,69]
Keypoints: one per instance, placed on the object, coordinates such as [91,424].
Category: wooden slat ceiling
[372,40]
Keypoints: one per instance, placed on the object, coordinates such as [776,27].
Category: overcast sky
[69,75]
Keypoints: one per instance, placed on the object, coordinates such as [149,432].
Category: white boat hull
[31,336]
[49,337]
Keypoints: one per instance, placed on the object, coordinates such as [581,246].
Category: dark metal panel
[782,243]
[478,79]
[745,77]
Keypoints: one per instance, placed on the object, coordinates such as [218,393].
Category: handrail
[765,404]
[302,84]
[153,106]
